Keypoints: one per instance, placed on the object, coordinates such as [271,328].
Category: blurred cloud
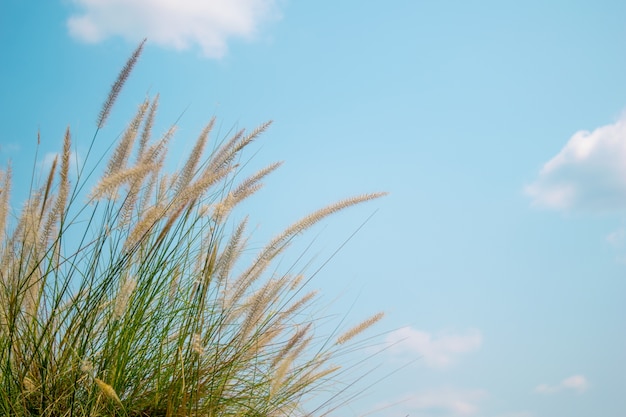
[178,24]
[444,402]
[617,237]
[9,147]
[437,351]
[589,173]
[576,383]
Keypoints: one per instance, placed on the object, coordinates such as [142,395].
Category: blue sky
[498,127]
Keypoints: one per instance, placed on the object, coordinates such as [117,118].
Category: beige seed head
[189,169]
[117,86]
[360,328]
[28,384]
[107,187]
[86,366]
[107,390]
[5,192]
[280,242]
[123,298]
[196,344]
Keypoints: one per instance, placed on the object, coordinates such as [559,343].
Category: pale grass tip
[108,390]
[196,344]
[360,328]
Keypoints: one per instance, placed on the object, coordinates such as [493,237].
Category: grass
[133,298]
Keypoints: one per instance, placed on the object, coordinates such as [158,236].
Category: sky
[497,127]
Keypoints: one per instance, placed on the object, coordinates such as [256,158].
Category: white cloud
[589,173]
[576,383]
[438,350]
[443,402]
[177,24]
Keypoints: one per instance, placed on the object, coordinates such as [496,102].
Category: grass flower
[123,297]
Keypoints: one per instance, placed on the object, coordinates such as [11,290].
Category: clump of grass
[137,301]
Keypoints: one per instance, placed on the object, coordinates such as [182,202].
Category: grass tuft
[140,299]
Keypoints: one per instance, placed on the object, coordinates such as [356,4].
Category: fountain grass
[132,297]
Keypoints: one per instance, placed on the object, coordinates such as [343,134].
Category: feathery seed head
[117,86]
[28,384]
[360,328]
[123,297]
[196,344]
[121,154]
[86,366]
[5,192]
[108,391]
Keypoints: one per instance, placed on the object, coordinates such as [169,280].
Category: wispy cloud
[589,173]
[576,383]
[443,402]
[616,237]
[9,147]
[439,350]
[178,24]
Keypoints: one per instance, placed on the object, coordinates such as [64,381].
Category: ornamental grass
[130,295]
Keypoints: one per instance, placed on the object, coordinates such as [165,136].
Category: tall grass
[133,297]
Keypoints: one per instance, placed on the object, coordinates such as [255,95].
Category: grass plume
[118,85]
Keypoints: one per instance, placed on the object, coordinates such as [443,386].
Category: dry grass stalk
[107,187]
[174,283]
[360,328]
[278,244]
[223,208]
[231,253]
[117,86]
[46,192]
[298,305]
[123,297]
[256,307]
[57,213]
[245,281]
[64,185]
[279,378]
[157,150]
[295,283]
[203,183]
[108,391]
[147,128]
[148,191]
[119,159]
[150,218]
[251,184]
[314,376]
[29,385]
[243,189]
[323,213]
[189,169]
[5,193]
[293,341]
[196,344]
[168,225]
